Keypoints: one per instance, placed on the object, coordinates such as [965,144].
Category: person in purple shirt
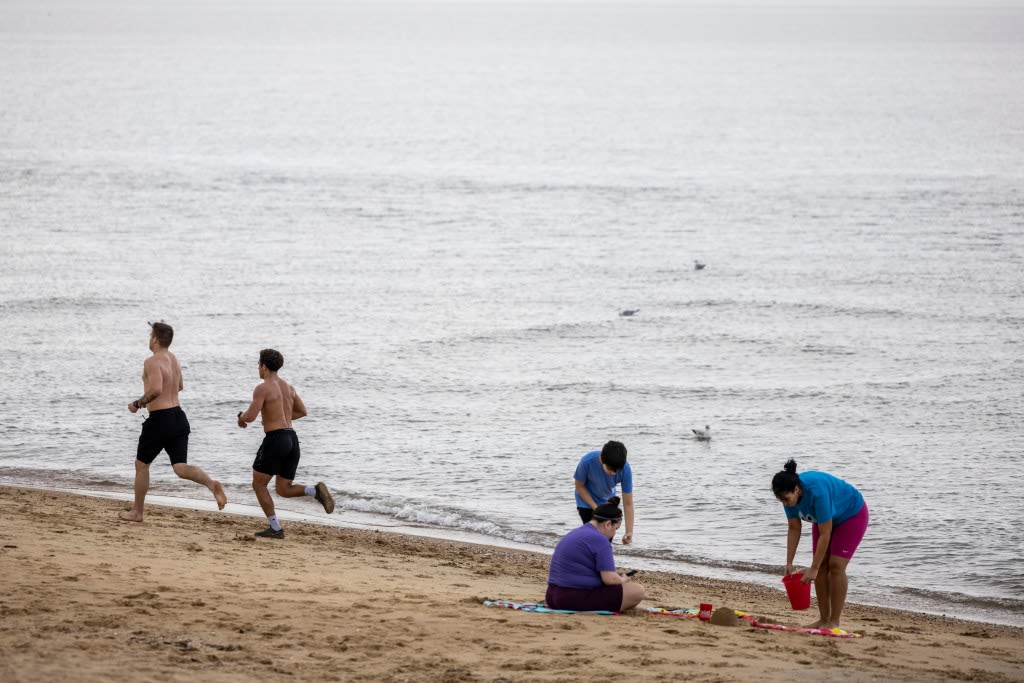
[840,518]
[582,575]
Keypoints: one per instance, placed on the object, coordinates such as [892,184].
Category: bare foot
[130,516]
[218,493]
[820,623]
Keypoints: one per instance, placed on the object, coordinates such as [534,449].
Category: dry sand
[191,596]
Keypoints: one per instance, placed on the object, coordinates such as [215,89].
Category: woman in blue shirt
[839,516]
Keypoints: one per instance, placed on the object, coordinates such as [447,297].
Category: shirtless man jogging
[278,455]
[166,428]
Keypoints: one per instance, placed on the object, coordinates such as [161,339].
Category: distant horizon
[641,20]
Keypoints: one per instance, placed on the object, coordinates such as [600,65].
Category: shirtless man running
[278,455]
[166,428]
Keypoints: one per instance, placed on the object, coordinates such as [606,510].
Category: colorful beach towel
[539,607]
[678,614]
[752,620]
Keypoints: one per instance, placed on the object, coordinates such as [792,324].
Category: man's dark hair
[163,333]
[614,455]
[273,360]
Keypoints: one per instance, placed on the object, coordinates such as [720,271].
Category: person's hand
[241,422]
[627,539]
[133,407]
[809,575]
[789,569]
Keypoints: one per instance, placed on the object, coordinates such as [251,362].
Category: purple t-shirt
[580,557]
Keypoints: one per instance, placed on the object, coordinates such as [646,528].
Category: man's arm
[253,411]
[152,384]
[298,407]
[627,509]
[581,488]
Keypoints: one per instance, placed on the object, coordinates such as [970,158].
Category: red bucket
[799,593]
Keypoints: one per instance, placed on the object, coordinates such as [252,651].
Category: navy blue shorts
[602,598]
[278,454]
[168,430]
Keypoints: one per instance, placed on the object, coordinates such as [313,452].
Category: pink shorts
[846,536]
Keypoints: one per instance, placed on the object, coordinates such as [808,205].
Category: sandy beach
[191,595]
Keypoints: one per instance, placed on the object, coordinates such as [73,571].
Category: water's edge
[364,520]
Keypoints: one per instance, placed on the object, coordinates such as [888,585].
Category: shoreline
[374,521]
[192,593]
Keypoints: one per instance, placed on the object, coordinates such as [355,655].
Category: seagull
[702,434]
[697,265]
[629,311]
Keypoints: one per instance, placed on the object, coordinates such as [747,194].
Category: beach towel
[753,621]
[538,607]
[690,613]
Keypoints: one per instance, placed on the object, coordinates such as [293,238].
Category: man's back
[161,373]
[278,403]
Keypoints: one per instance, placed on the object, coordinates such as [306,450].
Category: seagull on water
[697,265]
[702,434]
[629,311]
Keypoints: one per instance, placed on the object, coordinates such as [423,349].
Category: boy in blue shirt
[597,475]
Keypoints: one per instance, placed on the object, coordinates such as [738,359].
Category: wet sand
[191,595]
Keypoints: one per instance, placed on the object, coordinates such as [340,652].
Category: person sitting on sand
[167,427]
[596,477]
[840,518]
[582,574]
[278,455]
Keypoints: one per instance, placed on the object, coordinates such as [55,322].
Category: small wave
[1007,604]
[440,517]
[60,303]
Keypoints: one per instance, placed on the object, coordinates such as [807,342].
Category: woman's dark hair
[609,511]
[787,480]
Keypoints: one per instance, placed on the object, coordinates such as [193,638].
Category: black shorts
[278,454]
[168,430]
[586,514]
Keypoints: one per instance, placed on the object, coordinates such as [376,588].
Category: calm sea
[438,213]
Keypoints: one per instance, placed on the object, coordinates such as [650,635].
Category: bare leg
[286,489]
[260,482]
[822,583]
[196,474]
[632,594]
[141,487]
[838,584]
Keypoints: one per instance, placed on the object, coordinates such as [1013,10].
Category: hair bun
[790,465]
[614,500]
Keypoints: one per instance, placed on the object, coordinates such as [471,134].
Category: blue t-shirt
[825,498]
[580,557]
[600,486]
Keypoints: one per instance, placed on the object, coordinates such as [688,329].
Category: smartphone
[632,572]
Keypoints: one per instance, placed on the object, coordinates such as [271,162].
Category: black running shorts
[168,430]
[278,454]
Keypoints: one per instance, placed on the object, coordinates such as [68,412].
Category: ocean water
[438,213]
